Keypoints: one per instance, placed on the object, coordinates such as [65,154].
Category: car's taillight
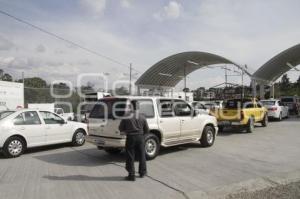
[273,109]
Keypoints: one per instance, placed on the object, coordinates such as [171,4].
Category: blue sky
[143,32]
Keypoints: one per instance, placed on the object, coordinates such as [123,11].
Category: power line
[65,40]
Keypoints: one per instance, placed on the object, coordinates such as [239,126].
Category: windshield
[4,114]
[268,103]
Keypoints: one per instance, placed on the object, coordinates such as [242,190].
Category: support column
[253,84]
[261,91]
[138,91]
[272,91]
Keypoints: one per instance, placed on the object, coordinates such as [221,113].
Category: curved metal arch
[175,65]
[278,65]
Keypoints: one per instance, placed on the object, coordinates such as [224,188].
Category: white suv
[171,122]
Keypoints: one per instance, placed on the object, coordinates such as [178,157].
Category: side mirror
[196,112]
[62,121]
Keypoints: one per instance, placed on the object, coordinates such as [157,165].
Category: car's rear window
[288,99]
[4,114]
[105,108]
[268,103]
[112,108]
[237,103]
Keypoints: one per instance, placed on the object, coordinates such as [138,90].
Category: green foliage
[5,76]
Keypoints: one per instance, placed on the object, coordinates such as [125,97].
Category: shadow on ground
[81,157]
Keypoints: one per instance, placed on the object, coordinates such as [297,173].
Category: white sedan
[27,128]
[276,109]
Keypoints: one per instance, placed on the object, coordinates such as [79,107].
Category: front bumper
[106,142]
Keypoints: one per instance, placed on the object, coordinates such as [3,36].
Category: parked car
[293,102]
[66,116]
[200,107]
[52,108]
[242,113]
[29,128]
[171,122]
[276,109]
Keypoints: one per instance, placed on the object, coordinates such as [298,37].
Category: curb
[248,186]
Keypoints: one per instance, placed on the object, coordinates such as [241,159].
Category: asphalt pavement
[187,171]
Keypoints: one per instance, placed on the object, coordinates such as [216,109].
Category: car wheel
[265,121]
[113,151]
[208,136]
[78,138]
[14,147]
[221,128]
[250,125]
[152,146]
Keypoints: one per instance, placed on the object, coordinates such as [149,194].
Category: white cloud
[126,3]
[96,6]
[5,44]
[40,48]
[170,11]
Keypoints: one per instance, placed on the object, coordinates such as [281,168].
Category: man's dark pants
[135,146]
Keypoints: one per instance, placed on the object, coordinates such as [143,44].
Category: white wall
[11,95]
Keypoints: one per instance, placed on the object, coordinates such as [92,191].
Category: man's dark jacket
[135,125]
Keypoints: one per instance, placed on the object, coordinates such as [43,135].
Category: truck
[242,113]
[51,107]
[11,95]
[293,102]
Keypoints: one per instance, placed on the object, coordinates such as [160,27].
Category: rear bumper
[273,114]
[229,123]
[106,142]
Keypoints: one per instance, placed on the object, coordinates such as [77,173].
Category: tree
[6,77]
[122,91]
[285,82]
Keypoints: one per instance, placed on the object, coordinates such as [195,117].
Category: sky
[143,32]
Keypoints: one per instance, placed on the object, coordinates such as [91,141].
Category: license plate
[100,142]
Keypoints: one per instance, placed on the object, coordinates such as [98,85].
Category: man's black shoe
[130,178]
[142,175]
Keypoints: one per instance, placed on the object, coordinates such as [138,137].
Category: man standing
[135,126]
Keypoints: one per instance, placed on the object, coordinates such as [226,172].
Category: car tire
[265,121]
[78,138]
[14,147]
[280,116]
[250,125]
[208,136]
[221,128]
[152,146]
[113,151]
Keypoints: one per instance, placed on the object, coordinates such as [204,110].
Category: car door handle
[22,128]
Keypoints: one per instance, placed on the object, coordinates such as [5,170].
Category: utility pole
[184,76]
[243,89]
[130,77]
[226,76]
